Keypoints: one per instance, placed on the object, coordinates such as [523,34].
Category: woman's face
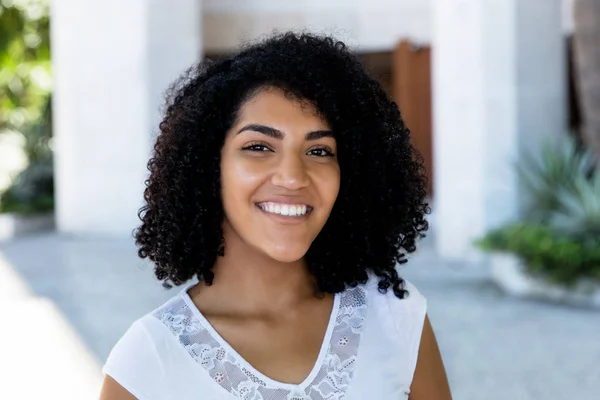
[279,176]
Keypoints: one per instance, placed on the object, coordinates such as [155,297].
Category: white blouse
[369,351]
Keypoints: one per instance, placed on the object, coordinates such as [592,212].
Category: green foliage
[578,215]
[32,190]
[559,237]
[560,259]
[551,175]
[25,85]
[24,62]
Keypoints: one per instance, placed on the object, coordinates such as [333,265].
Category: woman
[284,180]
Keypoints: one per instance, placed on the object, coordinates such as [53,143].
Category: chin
[287,254]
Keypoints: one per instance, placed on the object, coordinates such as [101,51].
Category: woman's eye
[323,152]
[256,147]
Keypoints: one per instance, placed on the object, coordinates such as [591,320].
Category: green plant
[559,259]
[25,86]
[578,216]
[549,177]
[559,235]
[32,190]
[25,81]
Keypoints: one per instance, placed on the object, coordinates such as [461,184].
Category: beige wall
[369,25]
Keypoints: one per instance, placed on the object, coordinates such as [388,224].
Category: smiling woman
[280,162]
[283,179]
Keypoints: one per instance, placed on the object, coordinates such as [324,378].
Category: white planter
[508,273]
[14,225]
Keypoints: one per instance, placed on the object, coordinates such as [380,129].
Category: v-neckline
[323,351]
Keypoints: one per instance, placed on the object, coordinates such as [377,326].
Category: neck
[252,280]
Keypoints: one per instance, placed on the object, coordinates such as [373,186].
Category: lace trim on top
[331,375]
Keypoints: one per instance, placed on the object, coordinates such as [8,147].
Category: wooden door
[411,89]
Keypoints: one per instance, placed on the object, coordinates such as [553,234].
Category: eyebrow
[277,134]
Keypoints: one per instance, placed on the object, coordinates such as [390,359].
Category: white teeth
[284,209]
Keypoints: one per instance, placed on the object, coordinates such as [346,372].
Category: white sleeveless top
[369,351]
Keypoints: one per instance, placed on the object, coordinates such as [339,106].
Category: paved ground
[65,301]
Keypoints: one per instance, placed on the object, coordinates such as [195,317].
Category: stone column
[112,61]
[499,79]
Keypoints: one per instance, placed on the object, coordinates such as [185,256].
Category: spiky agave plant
[578,214]
[554,177]
[559,237]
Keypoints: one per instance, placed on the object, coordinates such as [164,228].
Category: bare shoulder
[429,381]
[111,390]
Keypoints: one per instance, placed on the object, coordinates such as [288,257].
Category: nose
[291,173]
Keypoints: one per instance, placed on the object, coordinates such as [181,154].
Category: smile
[291,210]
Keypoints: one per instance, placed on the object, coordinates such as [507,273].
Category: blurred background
[503,101]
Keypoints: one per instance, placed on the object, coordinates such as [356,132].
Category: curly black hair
[380,210]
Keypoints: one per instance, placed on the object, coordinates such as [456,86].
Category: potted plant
[553,252]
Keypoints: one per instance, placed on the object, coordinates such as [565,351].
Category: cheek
[239,179]
[328,185]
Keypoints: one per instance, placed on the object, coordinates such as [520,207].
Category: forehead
[271,106]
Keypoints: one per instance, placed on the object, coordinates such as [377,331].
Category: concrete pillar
[112,60]
[499,79]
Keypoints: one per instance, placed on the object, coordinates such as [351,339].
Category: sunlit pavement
[41,356]
[65,301]
[63,304]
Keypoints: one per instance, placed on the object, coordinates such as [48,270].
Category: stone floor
[65,301]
